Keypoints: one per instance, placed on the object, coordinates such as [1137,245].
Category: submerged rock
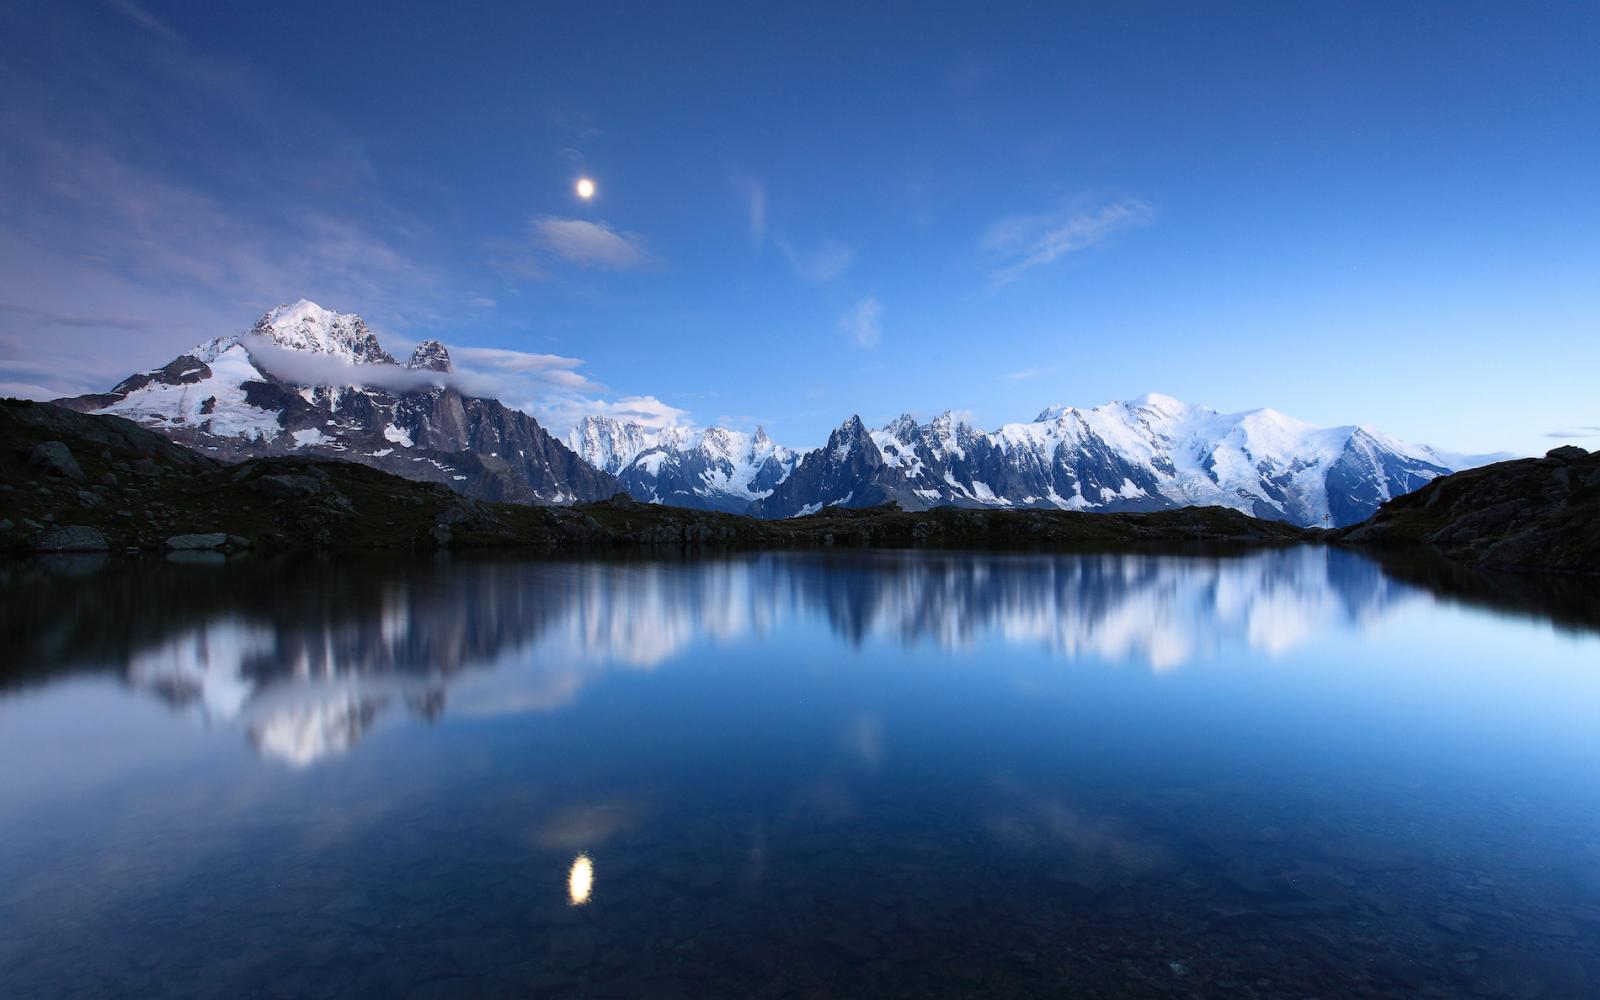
[201,542]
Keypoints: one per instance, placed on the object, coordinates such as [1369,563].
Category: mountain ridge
[308,380]
[1153,452]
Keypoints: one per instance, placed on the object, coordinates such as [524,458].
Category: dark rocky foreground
[1540,514]
[72,482]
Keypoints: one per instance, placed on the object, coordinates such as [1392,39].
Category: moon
[580,880]
[585,188]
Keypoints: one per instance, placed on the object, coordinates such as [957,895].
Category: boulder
[1567,453]
[197,543]
[56,459]
[70,538]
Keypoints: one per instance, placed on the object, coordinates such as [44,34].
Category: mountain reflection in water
[303,657]
[1284,773]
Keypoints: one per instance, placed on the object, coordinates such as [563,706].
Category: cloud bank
[549,387]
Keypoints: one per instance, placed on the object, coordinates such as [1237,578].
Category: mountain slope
[309,381]
[1151,453]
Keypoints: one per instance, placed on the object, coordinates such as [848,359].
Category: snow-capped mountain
[306,379]
[711,469]
[1150,453]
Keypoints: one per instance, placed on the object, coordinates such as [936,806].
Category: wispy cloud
[590,243]
[863,323]
[753,194]
[112,258]
[48,317]
[827,262]
[144,19]
[1575,432]
[1027,373]
[98,206]
[1023,242]
[577,124]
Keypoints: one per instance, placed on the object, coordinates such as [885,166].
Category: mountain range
[307,380]
[1149,453]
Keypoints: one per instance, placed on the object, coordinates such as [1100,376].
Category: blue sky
[1355,213]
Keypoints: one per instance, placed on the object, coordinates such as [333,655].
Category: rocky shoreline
[72,482]
[1531,514]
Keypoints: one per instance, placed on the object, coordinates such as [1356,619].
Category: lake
[1284,773]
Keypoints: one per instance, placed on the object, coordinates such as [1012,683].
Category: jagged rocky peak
[306,326]
[902,428]
[430,355]
[850,437]
[719,441]
[612,445]
[850,431]
[947,425]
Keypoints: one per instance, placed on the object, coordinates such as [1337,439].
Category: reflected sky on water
[1190,774]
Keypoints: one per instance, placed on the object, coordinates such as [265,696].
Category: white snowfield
[184,404]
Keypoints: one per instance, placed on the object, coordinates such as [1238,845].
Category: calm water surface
[1284,774]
